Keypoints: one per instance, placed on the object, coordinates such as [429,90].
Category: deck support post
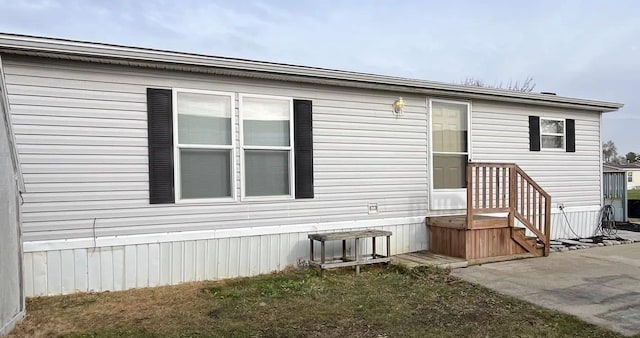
[513,191]
[357,258]
[469,197]
[373,246]
[344,250]
[547,225]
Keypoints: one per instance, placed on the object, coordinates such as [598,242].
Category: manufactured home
[632,173]
[146,167]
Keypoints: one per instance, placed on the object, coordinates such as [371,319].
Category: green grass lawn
[381,302]
[633,194]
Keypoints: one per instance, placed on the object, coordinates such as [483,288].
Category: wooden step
[496,259]
[523,232]
[490,222]
[531,239]
[455,222]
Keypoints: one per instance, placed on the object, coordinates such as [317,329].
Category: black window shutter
[160,137]
[571,135]
[534,133]
[303,138]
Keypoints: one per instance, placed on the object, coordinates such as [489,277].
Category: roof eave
[103,53]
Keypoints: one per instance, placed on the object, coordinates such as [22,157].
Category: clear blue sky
[587,48]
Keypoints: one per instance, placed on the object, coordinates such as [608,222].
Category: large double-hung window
[266,124]
[204,144]
[194,155]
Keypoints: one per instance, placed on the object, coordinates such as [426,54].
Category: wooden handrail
[532,182]
[489,164]
[524,199]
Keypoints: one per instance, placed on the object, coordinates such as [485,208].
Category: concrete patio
[599,285]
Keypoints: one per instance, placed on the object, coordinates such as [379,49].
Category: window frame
[177,146]
[243,147]
[563,134]
[629,176]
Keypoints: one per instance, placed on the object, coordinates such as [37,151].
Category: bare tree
[620,160]
[525,86]
[609,151]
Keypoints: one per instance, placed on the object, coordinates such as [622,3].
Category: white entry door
[450,144]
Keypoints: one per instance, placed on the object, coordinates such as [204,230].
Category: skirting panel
[576,224]
[12,323]
[125,267]
[580,224]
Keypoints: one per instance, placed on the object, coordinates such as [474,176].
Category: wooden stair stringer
[518,236]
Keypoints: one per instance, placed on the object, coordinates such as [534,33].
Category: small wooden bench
[357,259]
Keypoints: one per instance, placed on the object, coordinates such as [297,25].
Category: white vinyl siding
[501,134]
[81,131]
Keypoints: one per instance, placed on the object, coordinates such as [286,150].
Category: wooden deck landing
[460,222]
[490,237]
[424,257]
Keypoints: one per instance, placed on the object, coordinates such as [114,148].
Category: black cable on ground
[569,223]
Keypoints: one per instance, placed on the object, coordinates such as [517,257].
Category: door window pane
[205,173]
[266,121]
[266,172]
[449,171]
[204,119]
[449,127]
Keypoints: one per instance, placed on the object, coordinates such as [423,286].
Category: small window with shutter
[551,134]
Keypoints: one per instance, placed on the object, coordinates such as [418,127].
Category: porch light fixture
[398,105]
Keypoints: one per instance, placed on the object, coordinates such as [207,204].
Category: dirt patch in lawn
[382,301]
